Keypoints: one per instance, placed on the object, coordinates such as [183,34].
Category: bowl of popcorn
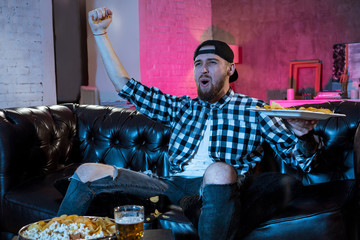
[69,227]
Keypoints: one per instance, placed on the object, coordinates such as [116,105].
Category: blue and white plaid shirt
[236,132]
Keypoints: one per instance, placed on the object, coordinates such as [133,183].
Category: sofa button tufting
[27,200]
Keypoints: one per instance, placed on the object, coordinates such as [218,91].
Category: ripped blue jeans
[220,203]
[79,195]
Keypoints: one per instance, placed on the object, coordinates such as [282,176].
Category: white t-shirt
[196,166]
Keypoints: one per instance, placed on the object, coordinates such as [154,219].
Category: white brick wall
[21,54]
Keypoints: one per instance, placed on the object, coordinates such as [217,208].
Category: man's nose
[205,69]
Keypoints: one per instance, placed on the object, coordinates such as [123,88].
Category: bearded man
[215,139]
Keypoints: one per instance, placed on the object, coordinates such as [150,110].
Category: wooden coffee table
[158,234]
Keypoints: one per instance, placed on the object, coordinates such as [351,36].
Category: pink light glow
[237,53]
[167,43]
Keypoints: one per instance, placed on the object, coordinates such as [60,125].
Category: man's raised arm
[99,20]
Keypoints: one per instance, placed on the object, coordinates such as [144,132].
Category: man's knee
[88,172]
[220,173]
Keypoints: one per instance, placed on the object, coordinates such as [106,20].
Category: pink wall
[169,33]
[273,32]
[270,32]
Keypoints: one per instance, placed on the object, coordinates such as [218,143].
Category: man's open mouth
[204,82]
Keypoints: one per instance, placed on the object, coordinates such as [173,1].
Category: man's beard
[212,93]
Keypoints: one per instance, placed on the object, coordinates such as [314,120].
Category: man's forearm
[114,68]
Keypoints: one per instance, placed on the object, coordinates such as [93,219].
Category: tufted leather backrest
[336,160]
[121,137]
[39,140]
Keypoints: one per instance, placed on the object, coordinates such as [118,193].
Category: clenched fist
[99,20]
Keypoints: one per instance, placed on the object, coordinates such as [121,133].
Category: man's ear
[231,69]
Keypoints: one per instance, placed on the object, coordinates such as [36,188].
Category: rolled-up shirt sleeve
[285,144]
[151,102]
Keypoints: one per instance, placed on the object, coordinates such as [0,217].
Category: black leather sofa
[41,146]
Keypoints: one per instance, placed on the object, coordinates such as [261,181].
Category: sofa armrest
[33,142]
[357,153]
[357,161]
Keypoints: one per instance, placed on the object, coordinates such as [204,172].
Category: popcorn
[70,227]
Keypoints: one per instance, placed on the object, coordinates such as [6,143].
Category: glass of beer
[129,220]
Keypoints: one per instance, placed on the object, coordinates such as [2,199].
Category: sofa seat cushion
[319,210]
[34,200]
[181,226]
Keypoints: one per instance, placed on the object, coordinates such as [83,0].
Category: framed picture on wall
[301,90]
[346,56]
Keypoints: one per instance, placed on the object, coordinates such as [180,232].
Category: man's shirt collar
[221,103]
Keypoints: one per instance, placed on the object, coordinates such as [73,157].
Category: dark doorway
[70,48]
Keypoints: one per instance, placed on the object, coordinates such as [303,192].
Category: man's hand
[99,20]
[301,127]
